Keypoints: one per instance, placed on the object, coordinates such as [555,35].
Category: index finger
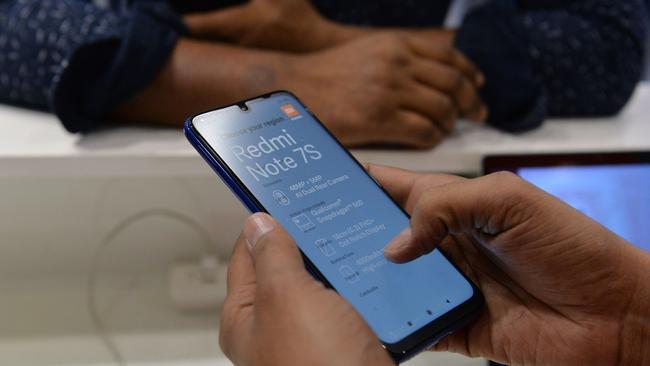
[448,55]
[405,186]
[397,182]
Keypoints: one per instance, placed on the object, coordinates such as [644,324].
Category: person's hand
[560,289]
[277,314]
[287,25]
[387,88]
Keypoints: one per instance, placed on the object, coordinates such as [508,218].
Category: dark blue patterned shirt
[80,58]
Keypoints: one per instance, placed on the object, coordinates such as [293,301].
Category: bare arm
[289,25]
[409,92]
[199,76]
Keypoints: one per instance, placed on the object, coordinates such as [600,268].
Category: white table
[34,144]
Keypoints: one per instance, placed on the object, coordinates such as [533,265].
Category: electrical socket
[198,286]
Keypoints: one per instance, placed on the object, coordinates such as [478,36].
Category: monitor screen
[617,195]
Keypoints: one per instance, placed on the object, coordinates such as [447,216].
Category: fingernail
[398,243]
[255,227]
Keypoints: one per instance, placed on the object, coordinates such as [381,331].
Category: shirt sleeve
[555,58]
[80,59]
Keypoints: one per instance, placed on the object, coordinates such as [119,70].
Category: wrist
[294,71]
[265,71]
[634,346]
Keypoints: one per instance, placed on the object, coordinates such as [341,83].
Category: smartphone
[278,158]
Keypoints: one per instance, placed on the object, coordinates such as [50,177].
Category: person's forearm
[250,26]
[199,76]
[254,25]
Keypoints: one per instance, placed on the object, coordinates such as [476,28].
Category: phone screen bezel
[424,337]
[514,162]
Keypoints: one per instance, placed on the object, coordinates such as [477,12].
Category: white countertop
[35,144]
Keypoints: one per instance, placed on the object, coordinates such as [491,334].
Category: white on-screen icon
[349,274]
[325,247]
[303,222]
[281,198]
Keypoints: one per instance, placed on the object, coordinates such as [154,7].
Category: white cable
[91,303]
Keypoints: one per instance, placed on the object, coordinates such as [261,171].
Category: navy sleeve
[555,58]
[79,58]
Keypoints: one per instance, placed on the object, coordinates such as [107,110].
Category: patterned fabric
[555,58]
[80,58]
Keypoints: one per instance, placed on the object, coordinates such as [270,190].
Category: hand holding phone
[278,158]
[278,314]
[559,287]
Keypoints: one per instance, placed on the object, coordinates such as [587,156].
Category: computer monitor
[611,188]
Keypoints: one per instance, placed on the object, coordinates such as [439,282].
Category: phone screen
[340,218]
